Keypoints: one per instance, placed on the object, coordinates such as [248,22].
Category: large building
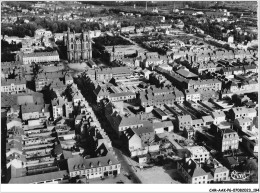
[13,85]
[28,58]
[93,167]
[226,139]
[79,47]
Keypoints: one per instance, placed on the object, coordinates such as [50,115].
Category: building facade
[78,47]
[13,85]
[28,58]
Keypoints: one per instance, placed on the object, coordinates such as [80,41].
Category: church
[79,45]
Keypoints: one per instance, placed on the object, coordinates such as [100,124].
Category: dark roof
[114,70]
[193,169]
[39,54]
[58,149]
[162,124]
[8,100]
[128,121]
[6,82]
[34,108]
[143,130]
[232,161]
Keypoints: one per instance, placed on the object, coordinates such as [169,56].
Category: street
[125,163]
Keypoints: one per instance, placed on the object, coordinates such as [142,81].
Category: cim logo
[239,175]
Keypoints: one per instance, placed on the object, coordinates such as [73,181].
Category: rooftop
[39,177]
[198,150]
[162,124]
[79,163]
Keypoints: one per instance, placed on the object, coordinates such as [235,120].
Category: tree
[55,28]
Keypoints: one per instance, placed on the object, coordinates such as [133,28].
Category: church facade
[79,46]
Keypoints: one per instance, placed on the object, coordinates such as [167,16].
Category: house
[100,93]
[208,120]
[192,95]
[42,32]
[239,112]
[149,98]
[58,107]
[13,85]
[78,98]
[105,74]
[199,153]
[93,167]
[141,141]
[191,172]
[243,123]
[197,123]
[227,72]
[160,127]
[184,121]
[35,111]
[122,96]
[120,122]
[146,73]
[218,117]
[212,84]
[207,67]
[226,139]
[217,172]
[250,143]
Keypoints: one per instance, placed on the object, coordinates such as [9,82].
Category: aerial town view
[129,92]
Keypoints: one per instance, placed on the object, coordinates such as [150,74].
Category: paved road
[126,167]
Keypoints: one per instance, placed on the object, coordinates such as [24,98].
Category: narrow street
[125,163]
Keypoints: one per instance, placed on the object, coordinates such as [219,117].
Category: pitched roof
[232,161]
[186,73]
[39,54]
[239,110]
[8,100]
[128,121]
[143,130]
[18,81]
[207,118]
[244,120]
[162,124]
[78,163]
[218,114]
[28,108]
[193,169]
[25,99]
[184,118]
[221,169]
[121,94]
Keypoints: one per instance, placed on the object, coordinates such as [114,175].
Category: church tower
[79,46]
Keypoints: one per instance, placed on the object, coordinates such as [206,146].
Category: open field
[158,175]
